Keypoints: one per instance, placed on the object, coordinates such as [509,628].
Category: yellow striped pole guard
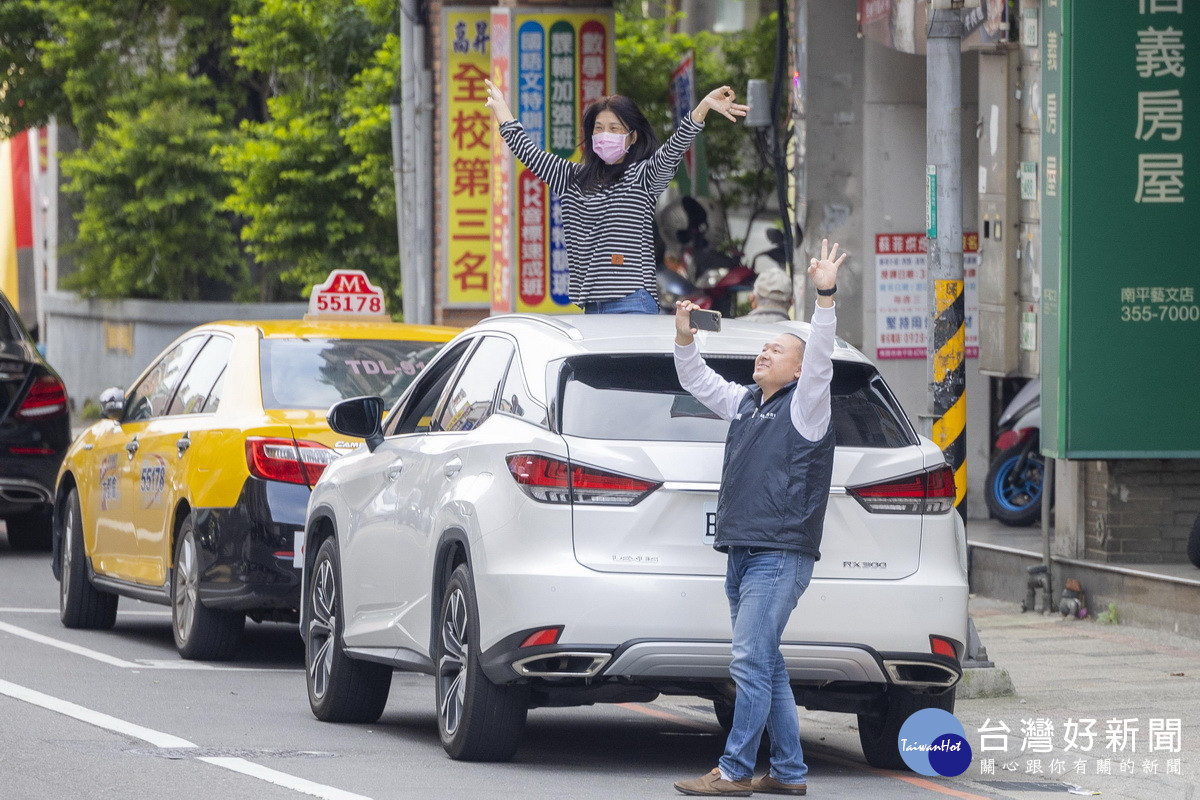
[949,380]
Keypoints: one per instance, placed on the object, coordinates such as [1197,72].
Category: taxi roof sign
[346,293]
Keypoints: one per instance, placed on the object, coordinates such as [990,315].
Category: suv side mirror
[112,403]
[358,416]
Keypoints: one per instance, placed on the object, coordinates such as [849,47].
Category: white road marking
[282,779]
[160,739]
[180,664]
[70,648]
[67,708]
[122,612]
[141,663]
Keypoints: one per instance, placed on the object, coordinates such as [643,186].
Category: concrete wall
[893,192]
[95,344]
[835,159]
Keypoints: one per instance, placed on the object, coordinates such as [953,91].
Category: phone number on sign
[1160,313]
[349,302]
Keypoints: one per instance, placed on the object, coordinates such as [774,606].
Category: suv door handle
[183,444]
[393,472]
[132,447]
[452,467]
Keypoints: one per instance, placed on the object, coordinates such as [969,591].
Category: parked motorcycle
[1016,475]
[713,278]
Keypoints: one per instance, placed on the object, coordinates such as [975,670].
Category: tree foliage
[151,225]
[313,179]
[241,148]
[647,53]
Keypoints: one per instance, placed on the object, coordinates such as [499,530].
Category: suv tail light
[928,492]
[287,460]
[47,398]
[550,480]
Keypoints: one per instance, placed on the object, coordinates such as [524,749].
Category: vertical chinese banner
[554,65]
[467,141]
[683,100]
[502,170]
[531,192]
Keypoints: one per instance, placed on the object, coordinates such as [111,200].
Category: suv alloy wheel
[477,719]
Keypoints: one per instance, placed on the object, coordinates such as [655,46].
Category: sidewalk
[1140,686]
[1161,596]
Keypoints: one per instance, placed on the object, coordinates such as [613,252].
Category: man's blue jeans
[763,586]
[639,302]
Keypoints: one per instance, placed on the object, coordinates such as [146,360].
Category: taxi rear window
[316,373]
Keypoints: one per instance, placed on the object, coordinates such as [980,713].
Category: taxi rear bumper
[247,553]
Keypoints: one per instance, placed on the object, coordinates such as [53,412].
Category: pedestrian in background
[770,515]
[771,297]
[608,199]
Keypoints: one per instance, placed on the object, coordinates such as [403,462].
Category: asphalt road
[87,714]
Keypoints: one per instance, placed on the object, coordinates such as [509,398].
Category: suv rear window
[316,373]
[639,398]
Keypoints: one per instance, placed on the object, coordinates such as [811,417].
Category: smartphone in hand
[703,320]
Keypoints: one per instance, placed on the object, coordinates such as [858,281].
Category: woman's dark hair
[595,174]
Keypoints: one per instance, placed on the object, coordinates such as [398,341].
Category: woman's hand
[720,100]
[497,103]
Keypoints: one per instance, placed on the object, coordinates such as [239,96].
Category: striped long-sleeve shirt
[610,232]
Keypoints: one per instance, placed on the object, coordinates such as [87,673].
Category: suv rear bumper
[673,662]
[675,628]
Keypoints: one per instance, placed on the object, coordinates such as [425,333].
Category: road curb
[981,682]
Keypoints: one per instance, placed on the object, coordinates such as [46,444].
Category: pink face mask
[609,146]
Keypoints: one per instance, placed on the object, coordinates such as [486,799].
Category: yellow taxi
[192,491]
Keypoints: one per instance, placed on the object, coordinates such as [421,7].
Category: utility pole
[414,176]
[943,129]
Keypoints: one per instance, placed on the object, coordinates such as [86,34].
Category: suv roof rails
[557,323]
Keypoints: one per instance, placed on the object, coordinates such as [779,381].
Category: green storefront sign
[1120,178]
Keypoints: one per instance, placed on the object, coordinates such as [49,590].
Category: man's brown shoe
[713,784]
[769,785]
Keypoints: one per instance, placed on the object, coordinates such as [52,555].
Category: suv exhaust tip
[921,673]
[561,665]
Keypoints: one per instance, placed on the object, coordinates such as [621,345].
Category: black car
[35,430]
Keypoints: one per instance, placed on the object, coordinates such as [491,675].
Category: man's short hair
[774,285]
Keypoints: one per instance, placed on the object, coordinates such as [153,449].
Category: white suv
[533,525]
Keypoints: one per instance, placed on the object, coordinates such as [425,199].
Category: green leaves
[228,148]
[313,181]
[646,56]
[242,148]
[151,224]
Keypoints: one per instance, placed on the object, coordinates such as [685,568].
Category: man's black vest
[774,483]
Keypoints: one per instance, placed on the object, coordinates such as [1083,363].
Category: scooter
[718,277]
[1016,475]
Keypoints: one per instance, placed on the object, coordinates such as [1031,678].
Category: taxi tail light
[47,398]
[928,492]
[287,460]
[552,480]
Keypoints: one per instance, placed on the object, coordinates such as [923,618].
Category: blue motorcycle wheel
[1016,499]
